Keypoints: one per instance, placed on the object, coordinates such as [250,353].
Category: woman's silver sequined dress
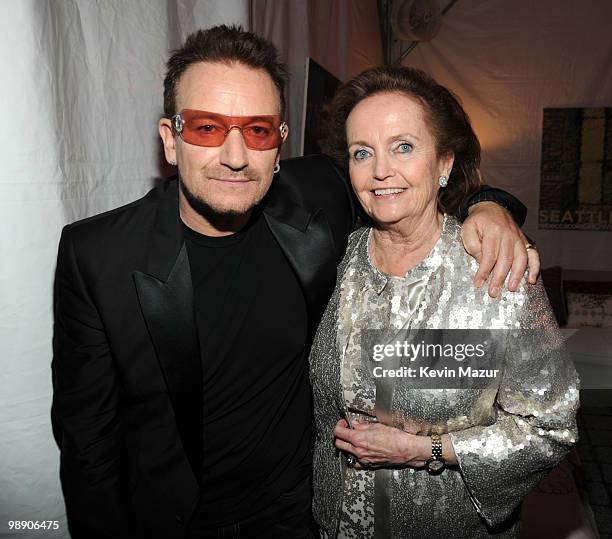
[506,436]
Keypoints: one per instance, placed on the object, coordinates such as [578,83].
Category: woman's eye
[361,154]
[404,147]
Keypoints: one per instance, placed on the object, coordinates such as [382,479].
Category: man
[183,320]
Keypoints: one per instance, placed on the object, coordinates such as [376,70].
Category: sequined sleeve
[536,415]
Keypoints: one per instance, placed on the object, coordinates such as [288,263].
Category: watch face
[435,466]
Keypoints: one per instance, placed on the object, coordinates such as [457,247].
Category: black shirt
[252,325]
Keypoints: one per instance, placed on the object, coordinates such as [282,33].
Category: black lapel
[307,241]
[165,293]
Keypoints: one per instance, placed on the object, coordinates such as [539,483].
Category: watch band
[436,447]
[435,465]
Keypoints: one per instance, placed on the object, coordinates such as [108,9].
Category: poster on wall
[576,170]
[320,88]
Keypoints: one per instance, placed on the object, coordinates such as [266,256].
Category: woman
[393,459]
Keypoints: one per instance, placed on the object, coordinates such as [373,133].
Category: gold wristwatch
[435,465]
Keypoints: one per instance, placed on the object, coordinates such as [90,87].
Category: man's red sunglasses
[210,129]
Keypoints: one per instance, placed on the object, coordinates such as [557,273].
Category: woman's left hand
[377,445]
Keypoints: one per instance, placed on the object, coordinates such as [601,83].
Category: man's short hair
[225,44]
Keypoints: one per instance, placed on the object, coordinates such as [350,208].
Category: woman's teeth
[383,192]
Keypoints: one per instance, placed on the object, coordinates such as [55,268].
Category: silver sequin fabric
[506,435]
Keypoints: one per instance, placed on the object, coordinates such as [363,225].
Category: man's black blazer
[127,405]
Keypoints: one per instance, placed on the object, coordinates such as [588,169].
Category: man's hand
[492,237]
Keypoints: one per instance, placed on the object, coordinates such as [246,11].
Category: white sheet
[81,92]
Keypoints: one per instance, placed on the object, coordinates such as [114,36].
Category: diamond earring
[443,181]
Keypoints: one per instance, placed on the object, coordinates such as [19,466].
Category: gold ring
[529,246]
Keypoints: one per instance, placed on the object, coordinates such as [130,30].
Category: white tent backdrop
[509,60]
[82,91]
[341,35]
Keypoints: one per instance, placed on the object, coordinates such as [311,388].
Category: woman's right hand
[377,445]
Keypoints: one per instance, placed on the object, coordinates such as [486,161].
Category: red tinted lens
[203,129]
[262,135]
[210,129]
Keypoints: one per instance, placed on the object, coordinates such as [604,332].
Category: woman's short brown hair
[444,114]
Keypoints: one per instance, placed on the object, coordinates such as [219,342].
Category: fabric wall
[82,95]
[507,61]
[341,35]
[82,91]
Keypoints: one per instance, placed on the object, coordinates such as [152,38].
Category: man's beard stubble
[219,219]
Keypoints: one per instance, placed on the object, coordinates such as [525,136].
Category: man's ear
[167,135]
[284,134]
[284,131]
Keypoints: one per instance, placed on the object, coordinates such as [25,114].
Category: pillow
[589,310]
